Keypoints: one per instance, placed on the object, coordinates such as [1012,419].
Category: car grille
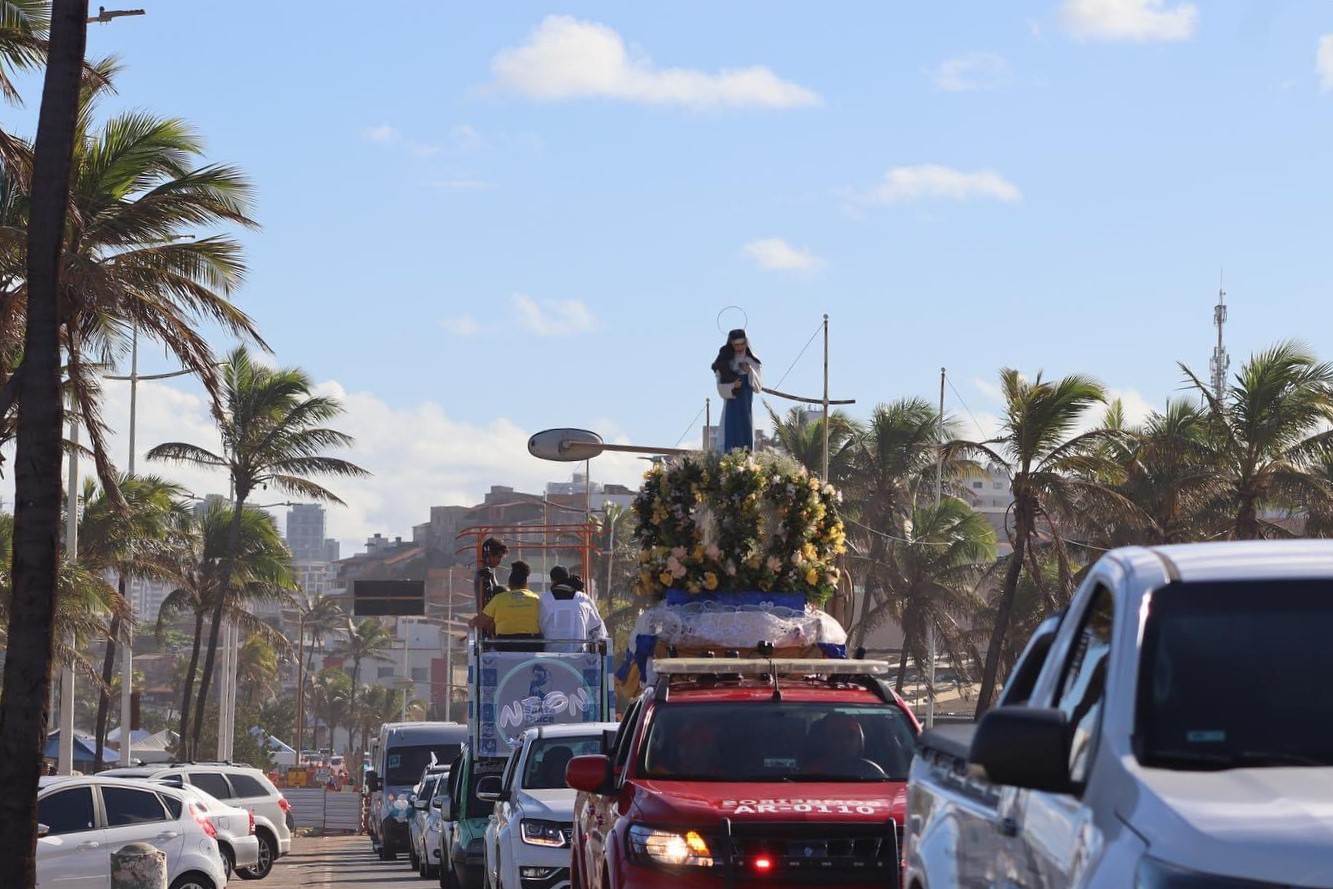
[817,852]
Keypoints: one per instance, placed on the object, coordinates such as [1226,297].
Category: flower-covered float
[738,549]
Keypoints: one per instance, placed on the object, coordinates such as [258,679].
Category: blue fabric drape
[737,418]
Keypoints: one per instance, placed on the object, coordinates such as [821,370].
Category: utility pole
[939,498]
[65,761]
[105,15]
[824,466]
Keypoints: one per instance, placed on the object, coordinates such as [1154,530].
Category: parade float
[737,550]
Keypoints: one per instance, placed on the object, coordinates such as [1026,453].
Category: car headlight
[1154,874]
[541,833]
[687,849]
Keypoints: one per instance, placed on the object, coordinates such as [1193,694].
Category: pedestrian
[484,584]
[737,370]
[569,617]
[513,615]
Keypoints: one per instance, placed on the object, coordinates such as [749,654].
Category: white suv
[235,785]
[81,821]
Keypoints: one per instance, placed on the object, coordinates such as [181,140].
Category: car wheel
[228,861]
[192,881]
[268,853]
[413,861]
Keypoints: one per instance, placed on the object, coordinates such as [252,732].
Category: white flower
[730,568]
[678,552]
[773,563]
[712,552]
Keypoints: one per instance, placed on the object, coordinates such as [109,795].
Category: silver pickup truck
[1172,730]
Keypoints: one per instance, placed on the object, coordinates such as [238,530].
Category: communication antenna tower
[1220,363]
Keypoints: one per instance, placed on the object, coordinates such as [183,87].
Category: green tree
[141,540]
[801,434]
[257,669]
[1270,431]
[932,577]
[365,641]
[330,701]
[272,435]
[1048,462]
[262,572]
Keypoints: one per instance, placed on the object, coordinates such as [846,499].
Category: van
[399,754]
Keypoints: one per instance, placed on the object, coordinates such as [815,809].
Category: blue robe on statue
[738,407]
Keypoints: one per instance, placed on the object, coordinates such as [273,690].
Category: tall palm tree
[23,28]
[257,668]
[330,699]
[263,572]
[142,541]
[319,617]
[128,261]
[1048,461]
[932,577]
[272,435]
[37,455]
[367,640]
[1270,429]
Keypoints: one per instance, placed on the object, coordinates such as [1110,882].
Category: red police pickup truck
[748,772]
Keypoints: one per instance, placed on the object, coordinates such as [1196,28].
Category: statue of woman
[737,371]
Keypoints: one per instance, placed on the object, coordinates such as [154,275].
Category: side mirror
[42,830]
[1024,747]
[591,774]
[420,803]
[446,809]
[492,788]
[373,781]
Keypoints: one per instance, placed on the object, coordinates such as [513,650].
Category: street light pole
[65,760]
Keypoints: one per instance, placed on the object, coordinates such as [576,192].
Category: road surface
[342,862]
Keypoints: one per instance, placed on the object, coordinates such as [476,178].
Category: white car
[528,837]
[432,831]
[235,785]
[419,858]
[82,820]
[235,829]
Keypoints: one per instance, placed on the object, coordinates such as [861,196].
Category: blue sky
[482,220]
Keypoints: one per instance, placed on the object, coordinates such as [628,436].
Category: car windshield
[778,741]
[404,765]
[545,766]
[1236,675]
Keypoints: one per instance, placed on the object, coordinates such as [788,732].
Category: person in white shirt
[568,614]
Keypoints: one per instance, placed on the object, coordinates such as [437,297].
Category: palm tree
[262,572]
[37,456]
[1269,432]
[257,668]
[330,699]
[1048,462]
[141,541]
[366,641]
[127,262]
[932,578]
[801,434]
[23,28]
[271,436]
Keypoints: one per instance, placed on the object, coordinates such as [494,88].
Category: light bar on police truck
[684,666]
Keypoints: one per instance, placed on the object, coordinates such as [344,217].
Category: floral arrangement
[710,523]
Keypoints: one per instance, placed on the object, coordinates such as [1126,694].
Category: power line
[689,427]
[799,354]
[953,389]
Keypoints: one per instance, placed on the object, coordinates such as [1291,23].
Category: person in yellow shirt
[513,614]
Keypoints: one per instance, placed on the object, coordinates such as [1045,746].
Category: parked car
[81,820]
[241,786]
[235,828]
[432,830]
[398,755]
[422,794]
[527,839]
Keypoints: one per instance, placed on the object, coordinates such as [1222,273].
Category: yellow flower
[812,576]
[710,580]
[698,553]
[665,578]
[692,587]
[809,551]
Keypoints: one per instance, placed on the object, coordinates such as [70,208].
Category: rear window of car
[173,805]
[246,786]
[213,782]
[128,805]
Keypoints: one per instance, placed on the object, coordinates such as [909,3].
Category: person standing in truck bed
[513,614]
[568,614]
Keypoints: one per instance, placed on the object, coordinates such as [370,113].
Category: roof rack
[691,666]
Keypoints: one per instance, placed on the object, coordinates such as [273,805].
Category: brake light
[252,822]
[763,864]
[283,804]
[203,822]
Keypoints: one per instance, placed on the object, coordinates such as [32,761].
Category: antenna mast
[1220,363]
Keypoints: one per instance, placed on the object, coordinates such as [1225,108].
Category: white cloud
[465,138]
[551,317]
[775,254]
[974,71]
[925,181]
[382,134]
[565,58]
[1140,21]
[1324,62]
[463,325]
